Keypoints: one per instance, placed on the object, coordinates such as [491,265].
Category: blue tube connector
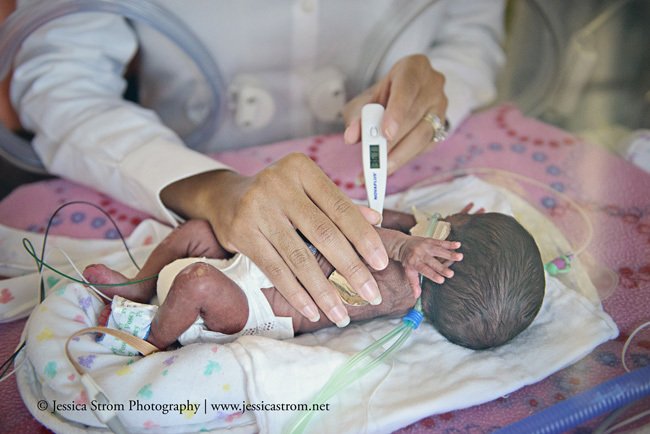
[601,399]
[413,318]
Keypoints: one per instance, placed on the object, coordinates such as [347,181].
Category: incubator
[583,66]
[24,21]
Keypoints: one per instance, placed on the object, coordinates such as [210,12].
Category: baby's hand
[468,208]
[428,257]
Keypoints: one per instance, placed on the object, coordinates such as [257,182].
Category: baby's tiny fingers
[449,245]
[439,268]
[432,273]
[440,252]
[467,208]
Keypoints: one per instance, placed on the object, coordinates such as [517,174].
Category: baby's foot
[99,275]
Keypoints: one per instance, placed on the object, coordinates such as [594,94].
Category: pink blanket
[615,194]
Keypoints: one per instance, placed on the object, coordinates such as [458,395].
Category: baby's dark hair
[497,288]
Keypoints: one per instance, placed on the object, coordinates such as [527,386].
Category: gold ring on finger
[440,129]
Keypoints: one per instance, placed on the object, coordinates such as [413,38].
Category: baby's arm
[420,255]
[400,221]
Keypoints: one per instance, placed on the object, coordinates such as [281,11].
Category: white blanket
[429,375]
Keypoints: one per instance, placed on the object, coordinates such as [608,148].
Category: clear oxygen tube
[28,19]
[364,361]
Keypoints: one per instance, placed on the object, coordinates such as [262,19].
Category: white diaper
[136,318]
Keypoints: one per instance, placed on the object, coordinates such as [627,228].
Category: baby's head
[497,288]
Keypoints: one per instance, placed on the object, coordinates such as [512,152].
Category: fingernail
[374,217]
[391,130]
[369,291]
[390,167]
[311,313]
[359,181]
[339,316]
[346,136]
[378,260]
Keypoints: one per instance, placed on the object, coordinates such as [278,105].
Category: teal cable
[40,264]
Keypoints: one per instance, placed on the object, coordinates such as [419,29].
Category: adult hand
[258,216]
[411,90]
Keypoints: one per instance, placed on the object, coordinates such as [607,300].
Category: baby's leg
[200,289]
[99,275]
[194,238]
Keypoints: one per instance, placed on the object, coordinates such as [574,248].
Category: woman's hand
[258,216]
[411,90]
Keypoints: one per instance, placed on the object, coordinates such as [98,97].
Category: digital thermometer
[374,154]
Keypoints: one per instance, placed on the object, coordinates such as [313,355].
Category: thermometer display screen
[374,156]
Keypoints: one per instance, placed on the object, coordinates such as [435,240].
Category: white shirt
[67,82]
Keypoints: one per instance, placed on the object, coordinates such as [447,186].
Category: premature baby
[479,290]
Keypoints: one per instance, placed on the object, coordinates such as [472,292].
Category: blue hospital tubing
[601,399]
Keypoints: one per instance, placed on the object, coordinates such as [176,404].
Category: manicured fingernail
[390,167]
[378,260]
[343,323]
[373,217]
[369,291]
[347,139]
[391,130]
[311,313]
[339,316]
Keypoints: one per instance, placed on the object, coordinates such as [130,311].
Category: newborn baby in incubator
[479,290]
